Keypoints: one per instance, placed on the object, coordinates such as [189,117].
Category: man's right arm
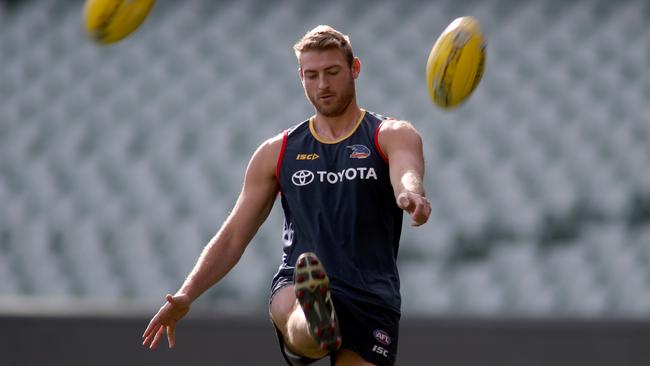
[252,208]
[402,145]
[225,249]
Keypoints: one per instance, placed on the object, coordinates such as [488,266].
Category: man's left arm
[402,145]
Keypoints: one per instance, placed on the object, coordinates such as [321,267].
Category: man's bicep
[258,194]
[401,141]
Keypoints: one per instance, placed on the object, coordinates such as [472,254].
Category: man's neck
[334,128]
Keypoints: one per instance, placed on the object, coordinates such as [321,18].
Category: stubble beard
[339,106]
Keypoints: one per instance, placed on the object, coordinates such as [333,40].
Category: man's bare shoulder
[271,146]
[265,158]
[398,135]
[394,128]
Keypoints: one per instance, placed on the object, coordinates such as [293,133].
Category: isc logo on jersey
[305,177]
[312,156]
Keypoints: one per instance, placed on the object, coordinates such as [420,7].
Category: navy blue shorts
[367,329]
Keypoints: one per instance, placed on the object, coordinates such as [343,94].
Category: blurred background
[118,163]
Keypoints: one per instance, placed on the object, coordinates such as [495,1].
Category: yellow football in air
[108,21]
[456,62]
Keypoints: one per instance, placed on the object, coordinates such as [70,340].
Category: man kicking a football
[344,177]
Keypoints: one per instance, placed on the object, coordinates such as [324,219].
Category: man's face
[328,80]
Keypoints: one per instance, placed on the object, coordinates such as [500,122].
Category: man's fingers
[164,322]
[150,328]
[147,339]
[404,202]
[156,339]
[419,217]
[170,335]
[421,212]
[416,205]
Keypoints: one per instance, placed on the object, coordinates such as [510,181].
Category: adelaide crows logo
[359,151]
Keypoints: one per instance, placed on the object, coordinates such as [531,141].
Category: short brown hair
[324,37]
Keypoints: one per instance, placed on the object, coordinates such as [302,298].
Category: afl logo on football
[359,151]
[382,337]
[302,177]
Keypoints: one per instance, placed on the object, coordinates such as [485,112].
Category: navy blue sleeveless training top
[338,202]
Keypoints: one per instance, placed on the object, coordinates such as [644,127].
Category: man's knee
[282,305]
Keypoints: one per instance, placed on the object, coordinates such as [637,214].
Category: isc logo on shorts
[381,350]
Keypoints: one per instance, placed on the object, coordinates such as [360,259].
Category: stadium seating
[117,164]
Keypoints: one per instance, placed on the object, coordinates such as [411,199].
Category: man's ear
[356,67]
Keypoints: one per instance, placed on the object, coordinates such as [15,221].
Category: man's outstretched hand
[416,205]
[165,320]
